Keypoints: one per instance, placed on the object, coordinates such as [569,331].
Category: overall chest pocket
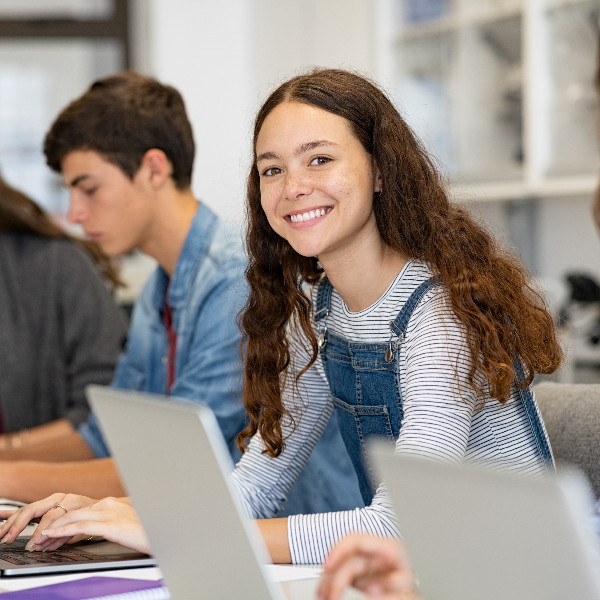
[365,420]
[363,388]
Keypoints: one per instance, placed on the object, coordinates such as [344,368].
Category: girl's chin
[304,251]
[304,246]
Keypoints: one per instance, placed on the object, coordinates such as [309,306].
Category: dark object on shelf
[583,289]
[594,334]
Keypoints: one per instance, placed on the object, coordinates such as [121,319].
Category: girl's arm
[275,536]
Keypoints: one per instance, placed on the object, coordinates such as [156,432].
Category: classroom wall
[202,49]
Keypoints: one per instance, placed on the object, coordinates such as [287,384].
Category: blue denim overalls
[364,381]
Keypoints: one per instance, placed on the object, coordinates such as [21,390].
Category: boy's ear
[157,166]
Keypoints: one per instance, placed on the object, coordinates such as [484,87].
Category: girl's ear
[378,184]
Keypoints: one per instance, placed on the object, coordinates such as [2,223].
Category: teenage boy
[125,150]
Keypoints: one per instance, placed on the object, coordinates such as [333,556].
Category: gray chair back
[571,413]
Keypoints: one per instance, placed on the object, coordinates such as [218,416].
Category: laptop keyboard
[16,554]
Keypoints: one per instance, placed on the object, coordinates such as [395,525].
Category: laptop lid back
[475,533]
[174,463]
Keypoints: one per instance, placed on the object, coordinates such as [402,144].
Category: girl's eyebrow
[312,145]
[305,147]
[266,156]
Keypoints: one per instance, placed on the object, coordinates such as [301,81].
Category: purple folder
[93,587]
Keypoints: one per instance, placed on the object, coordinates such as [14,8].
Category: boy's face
[113,210]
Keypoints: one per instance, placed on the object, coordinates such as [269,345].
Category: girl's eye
[89,192]
[271,171]
[319,160]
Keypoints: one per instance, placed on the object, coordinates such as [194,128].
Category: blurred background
[500,91]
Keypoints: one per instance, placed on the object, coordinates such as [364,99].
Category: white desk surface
[298,582]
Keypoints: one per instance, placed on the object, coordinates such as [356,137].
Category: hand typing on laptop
[70,518]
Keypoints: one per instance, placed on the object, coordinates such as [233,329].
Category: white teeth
[307,216]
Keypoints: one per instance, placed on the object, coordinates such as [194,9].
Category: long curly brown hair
[489,289]
[20,214]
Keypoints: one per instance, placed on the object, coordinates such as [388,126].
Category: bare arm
[45,442]
[67,447]
[275,535]
[28,481]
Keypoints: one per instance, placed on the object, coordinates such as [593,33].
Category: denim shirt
[206,292]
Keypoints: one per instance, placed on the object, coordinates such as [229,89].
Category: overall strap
[324,293]
[399,324]
[534,417]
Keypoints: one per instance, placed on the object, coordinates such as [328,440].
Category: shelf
[477,12]
[572,30]
[501,93]
[554,4]
[516,190]
[427,28]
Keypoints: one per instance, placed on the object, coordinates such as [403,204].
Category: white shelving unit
[502,92]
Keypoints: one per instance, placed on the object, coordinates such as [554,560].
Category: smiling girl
[373,296]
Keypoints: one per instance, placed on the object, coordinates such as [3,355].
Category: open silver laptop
[476,534]
[174,462]
[81,557]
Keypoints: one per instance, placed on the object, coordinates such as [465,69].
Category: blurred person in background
[60,328]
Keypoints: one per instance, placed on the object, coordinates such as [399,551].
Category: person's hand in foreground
[70,518]
[379,567]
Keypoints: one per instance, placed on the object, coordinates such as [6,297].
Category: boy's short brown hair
[122,117]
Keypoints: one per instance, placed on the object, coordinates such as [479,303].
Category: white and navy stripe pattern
[443,417]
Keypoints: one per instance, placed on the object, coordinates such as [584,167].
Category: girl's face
[316,181]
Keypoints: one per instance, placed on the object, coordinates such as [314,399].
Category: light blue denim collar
[195,249]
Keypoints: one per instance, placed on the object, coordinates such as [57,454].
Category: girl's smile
[309,215]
